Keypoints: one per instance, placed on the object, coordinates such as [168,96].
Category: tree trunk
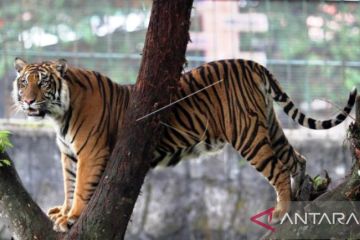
[109,210]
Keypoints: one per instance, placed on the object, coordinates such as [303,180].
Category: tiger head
[39,89]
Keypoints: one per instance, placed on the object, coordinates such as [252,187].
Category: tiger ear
[61,66]
[19,64]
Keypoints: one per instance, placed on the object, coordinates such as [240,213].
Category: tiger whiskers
[179,100]
[58,103]
[38,103]
[15,108]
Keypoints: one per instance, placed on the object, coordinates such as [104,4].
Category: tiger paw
[57,212]
[281,209]
[64,223]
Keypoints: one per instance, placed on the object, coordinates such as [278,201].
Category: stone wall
[208,198]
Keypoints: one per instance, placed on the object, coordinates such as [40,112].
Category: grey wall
[206,198]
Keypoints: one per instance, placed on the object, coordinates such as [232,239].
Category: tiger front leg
[88,173]
[68,167]
[63,222]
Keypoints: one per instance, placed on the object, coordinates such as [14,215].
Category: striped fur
[88,110]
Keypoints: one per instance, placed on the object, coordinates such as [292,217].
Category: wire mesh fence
[310,46]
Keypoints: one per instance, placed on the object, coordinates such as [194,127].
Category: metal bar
[307,89]
[120,56]
[270,35]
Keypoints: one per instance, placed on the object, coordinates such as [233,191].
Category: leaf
[5,141]
[5,161]
[320,183]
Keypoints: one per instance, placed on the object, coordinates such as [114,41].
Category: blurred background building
[312,47]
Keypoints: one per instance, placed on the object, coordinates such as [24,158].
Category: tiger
[220,102]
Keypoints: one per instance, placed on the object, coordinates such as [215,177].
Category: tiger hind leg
[294,161]
[297,173]
[261,156]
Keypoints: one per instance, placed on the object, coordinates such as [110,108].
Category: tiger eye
[23,81]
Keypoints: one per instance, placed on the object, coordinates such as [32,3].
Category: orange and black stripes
[238,111]
[239,103]
[89,108]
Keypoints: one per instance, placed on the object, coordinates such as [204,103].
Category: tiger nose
[29,101]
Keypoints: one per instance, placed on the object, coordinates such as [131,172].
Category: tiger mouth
[35,113]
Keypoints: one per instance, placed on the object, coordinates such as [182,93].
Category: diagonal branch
[24,216]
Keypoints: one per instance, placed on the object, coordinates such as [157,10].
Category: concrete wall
[206,198]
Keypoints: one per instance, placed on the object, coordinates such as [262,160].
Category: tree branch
[24,216]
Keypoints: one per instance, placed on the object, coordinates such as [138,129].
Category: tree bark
[109,210]
[24,216]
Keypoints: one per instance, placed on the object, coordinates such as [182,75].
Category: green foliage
[4,141]
[352,78]
[4,145]
[320,183]
[312,30]
[5,162]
